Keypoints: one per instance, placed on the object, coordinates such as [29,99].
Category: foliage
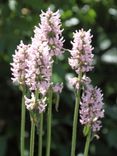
[17,20]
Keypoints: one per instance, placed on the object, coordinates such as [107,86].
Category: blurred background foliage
[17,21]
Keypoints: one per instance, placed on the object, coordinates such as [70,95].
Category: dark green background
[17,20]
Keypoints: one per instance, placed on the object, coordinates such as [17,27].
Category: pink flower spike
[39,68]
[92,108]
[18,67]
[81,53]
[49,30]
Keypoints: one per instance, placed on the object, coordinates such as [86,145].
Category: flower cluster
[49,30]
[32,64]
[32,103]
[39,69]
[92,107]
[81,61]
[57,88]
[32,68]
[18,67]
[81,53]
[75,82]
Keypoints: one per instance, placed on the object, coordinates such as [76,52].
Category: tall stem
[23,112]
[87,143]
[32,138]
[75,120]
[49,120]
[40,135]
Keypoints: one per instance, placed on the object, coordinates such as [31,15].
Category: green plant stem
[40,135]
[87,143]
[32,138]
[49,120]
[75,120]
[23,114]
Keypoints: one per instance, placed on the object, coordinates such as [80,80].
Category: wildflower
[81,53]
[39,70]
[33,103]
[92,107]
[19,63]
[49,30]
[75,82]
[57,88]
[42,105]
[30,103]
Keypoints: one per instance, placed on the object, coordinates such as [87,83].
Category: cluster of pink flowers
[18,67]
[49,30]
[81,53]
[57,88]
[32,64]
[81,61]
[32,103]
[39,69]
[92,107]
[75,82]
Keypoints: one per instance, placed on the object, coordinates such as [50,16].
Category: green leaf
[86,130]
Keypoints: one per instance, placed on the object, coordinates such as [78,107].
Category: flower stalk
[40,135]
[87,143]
[32,138]
[75,120]
[81,61]
[23,112]
[49,122]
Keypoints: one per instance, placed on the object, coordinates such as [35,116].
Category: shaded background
[17,20]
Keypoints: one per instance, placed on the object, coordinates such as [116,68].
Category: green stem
[49,120]
[75,120]
[23,114]
[40,135]
[87,143]
[32,138]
